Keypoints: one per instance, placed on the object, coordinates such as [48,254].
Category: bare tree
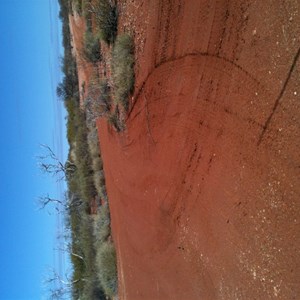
[59,293]
[59,286]
[69,202]
[49,163]
[46,200]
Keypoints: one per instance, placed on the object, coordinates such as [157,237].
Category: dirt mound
[204,183]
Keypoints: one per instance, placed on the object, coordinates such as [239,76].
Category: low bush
[107,20]
[113,119]
[98,101]
[104,96]
[100,92]
[92,290]
[87,14]
[107,268]
[83,161]
[123,69]
[71,107]
[97,164]
[99,181]
[101,226]
[91,47]
[93,143]
[78,6]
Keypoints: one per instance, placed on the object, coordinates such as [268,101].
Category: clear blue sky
[30,115]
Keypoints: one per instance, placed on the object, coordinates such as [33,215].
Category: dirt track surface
[204,183]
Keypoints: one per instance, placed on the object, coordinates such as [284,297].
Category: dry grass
[123,69]
[106,264]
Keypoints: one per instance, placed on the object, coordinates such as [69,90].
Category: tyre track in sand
[198,210]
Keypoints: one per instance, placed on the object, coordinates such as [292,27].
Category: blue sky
[30,115]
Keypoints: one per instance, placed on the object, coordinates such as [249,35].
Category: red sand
[87,71]
[204,183]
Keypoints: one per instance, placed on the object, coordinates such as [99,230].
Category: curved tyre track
[198,210]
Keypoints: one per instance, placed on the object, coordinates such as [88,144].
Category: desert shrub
[123,69]
[77,6]
[100,92]
[69,85]
[83,244]
[82,182]
[71,127]
[113,120]
[87,14]
[68,88]
[98,101]
[99,181]
[107,268]
[91,47]
[64,17]
[107,19]
[83,160]
[97,164]
[90,287]
[104,96]
[101,226]
[93,142]
[92,290]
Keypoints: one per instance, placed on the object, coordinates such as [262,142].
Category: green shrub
[123,69]
[107,268]
[107,20]
[91,47]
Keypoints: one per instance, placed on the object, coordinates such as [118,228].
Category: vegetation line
[85,208]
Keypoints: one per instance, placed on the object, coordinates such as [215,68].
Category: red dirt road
[204,183]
